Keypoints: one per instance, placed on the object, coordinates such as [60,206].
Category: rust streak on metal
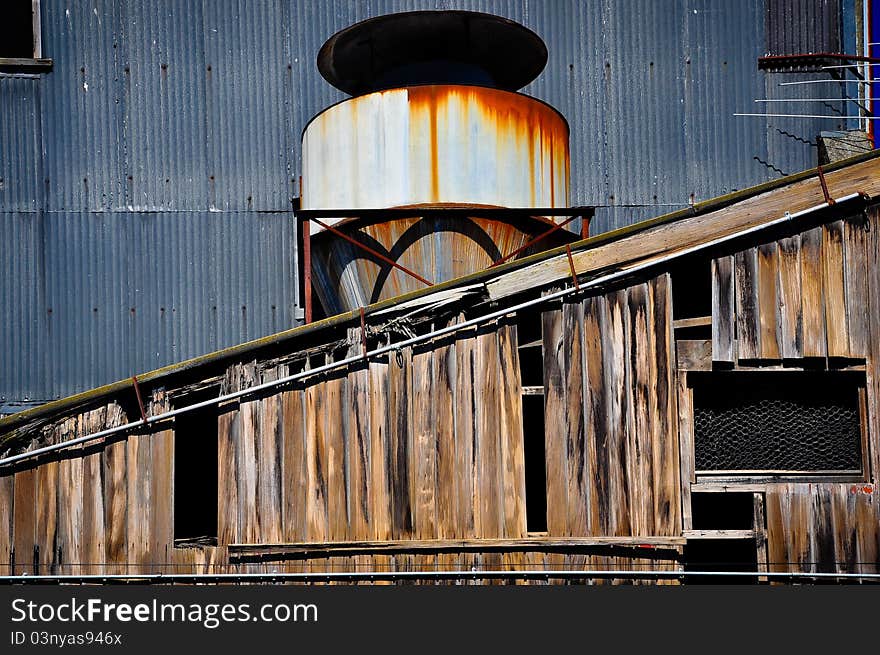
[375,253]
[574,276]
[137,392]
[828,199]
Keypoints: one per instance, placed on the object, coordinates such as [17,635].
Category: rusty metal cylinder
[435,145]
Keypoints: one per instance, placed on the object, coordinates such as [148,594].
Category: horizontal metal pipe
[810,100]
[839,118]
[828,81]
[449,329]
[374,576]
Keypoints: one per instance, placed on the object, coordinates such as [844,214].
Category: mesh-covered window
[803,422]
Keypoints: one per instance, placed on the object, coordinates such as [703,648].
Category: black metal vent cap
[432,47]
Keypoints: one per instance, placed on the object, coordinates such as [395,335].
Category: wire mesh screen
[777,422]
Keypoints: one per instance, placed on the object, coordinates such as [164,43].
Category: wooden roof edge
[150,378]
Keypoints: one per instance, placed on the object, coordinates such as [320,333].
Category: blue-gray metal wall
[145,182]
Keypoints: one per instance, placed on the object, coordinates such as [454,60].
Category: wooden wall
[611,441]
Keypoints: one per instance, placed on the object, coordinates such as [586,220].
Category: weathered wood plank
[139,470]
[790,316]
[380,451]
[867,521]
[337,502]
[686,447]
[357,443]
[856,274]
[577,522]
[47,514]
[747,310]
[294,479]
[399,415]
[759,526]
[246,451]
[7,494]
[595,430]
[812,294]
[488,509]
[162,490]
[444,413]
[316,460]
[24,521]
[639,447]
[555,420]
[872,372]
[511,433]
[835,290]
[662,392]
[116,505]
[93,529]
[843,513]
[423,454]
[269,448]
[693,354]
[768,301]
[464,433]
[777,519]
[618,503]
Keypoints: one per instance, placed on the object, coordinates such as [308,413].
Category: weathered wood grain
[357,443]
[684,397]
[513,491]
[269,446]
[47,513]
[812,294]
[556,420]
[747,311]
[465,433]
[316,462]
[139,471]
[380,451]
[162,489]
[423,452]
[487,453]
[294,480]
[7,495]
[768,302]
[116,505]
[24,521]
[835,290]
[639,444]
[790,315]
[93,529]
[573,359]
[399,415]
[618,504]
[447,483]
[337,502]
[872,372]
[228,431]
[856,274]
[595,431]
[246,453]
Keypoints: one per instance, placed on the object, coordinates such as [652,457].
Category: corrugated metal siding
[150,100]
[802,26]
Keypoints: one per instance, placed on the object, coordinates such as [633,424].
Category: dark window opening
[692,288]
[535,463]
[195,470]
[788,422]
[723,511]
[531,357]
[17,30]
[723,556]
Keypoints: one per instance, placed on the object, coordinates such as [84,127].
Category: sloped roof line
[581,250]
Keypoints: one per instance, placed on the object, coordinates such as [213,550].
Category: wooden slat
[594,399]
[835,290]
[162,490]
[269,449]
[812,294]
[246,453]
[294,482]
[872,372]
[618,502]
[316,461]
[380,452]
[662,393]
[138,472]
[843,513]
[444,416]
[759,521]
[686,447]
[555,421]
[464,433]
[487,455]
[768,301]
[747,314]
[357,443]
[790,316]
[577,523]
[7,494]
[334,439]
[639,417]
[856,269]
[24,521]
[47,513]
[423,454]
[93,529]
[116,505]
[400,413]
[511,434]
[228,431]
[777,515]
[867,521]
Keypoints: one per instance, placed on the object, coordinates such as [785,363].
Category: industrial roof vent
[437,134]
